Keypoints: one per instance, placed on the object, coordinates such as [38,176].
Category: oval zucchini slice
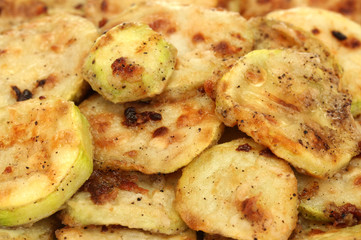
[239,190]
[46,155]
[289,101]
[129,62]
[336,199]
[205,51]
[130,199]
[341,35]
[44,57]
[160,136]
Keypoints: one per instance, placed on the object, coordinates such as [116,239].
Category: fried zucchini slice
[130,199]
[158,136]
[205,51]
[336,199]
[239,190]
[343,38]
[116,233]
[46,155]
[129,62]
[41,230]
[44,58]
[274,34]
[289,101]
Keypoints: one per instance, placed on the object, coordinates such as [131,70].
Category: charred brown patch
[309,191]
[40,83]
[163,25]
[129,71]
[315,31]
[158,24]
[132,153]
[357,181]
[338,35]
[104,6]
[352,43]
[251,210]
[132,118]
[238,36]
[223,4]
[103,186]
[197,38]
[266,152]
[3,51]
[21,95]
[100,123]
[244,148]
[210,88]
[345,215]
[190,117]
[102,22]
[8,169]
[223,48]
[160,132]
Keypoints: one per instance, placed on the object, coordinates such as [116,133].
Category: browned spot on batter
[160,132]
[104,185]
[244,147]
[254,77]
[315,31]
[223,48]
[251,210]
[266,152]
[223,4]
[197,38]
[163,25]
[351,42]
[209,88]
[129,71]
[309,191]
[190,117]
[357,180]
[102,22]
[104,6]
[131,154]
[8,169]
[345,215]
[132,118]
[100,123]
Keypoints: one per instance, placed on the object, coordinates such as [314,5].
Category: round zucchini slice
[240,190]
[129,62]
[336,199]
[341,35]
[46,155]
[289,101]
